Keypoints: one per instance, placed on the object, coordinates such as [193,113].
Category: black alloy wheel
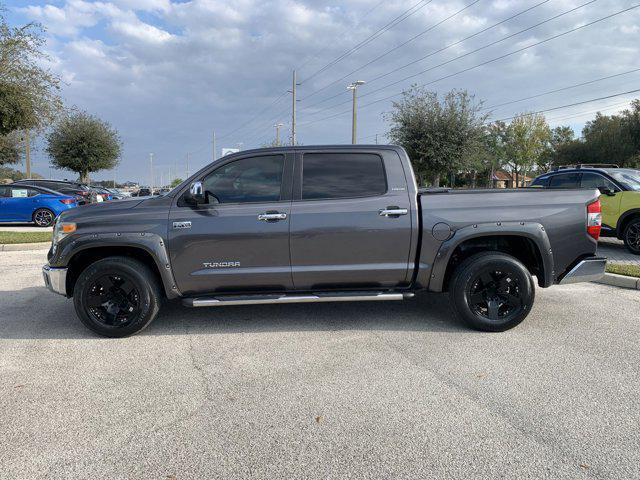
[492,291]
[632,236]
[117,296]
[495,294]
[113,300]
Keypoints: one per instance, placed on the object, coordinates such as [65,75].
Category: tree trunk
[436,180]
[84,177]
[517,178]
[473,179]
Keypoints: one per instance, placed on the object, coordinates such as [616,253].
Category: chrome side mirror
[196,193]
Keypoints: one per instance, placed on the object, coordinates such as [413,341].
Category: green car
[620,197]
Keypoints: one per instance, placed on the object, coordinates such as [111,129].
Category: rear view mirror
[195,195]
[607,191]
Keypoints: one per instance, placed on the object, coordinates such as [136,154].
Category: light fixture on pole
[277,127]
[354,120]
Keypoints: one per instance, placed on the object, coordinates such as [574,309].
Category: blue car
[21,203]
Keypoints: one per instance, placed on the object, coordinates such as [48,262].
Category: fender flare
[532,231]
[151,243]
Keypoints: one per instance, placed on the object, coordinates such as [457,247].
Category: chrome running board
[224,300]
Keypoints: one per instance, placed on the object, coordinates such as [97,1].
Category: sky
[167,73]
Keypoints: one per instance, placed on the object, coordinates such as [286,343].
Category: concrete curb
[620,281]
[22,247]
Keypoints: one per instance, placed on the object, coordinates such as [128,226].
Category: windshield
[627,177]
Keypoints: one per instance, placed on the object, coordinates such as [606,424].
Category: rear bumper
[587,270]
[55,279]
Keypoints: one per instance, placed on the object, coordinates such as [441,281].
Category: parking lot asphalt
[616,252]
[348,390]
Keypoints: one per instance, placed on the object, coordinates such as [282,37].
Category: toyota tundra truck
[321,224]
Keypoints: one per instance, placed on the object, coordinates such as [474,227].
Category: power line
[326,47]
[553,37]
[574,115]
[561,89]
[388,26]
[495,42]
[256,116]
[423,32]
[574,104]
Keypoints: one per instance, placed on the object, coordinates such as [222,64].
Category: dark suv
[83,193]
[620,199]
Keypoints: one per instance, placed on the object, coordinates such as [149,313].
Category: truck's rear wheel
[492,291]
[117,296]
[632,236]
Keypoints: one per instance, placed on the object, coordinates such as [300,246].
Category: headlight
[61,230]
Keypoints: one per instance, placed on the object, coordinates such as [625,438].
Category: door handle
[272,216]
[392,212]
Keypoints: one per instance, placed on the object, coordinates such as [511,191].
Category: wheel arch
[624,220]
[526,242]
[146,248]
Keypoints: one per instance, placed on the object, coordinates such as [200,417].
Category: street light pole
[277,126]
[151,171]
[293,109]
[354,118]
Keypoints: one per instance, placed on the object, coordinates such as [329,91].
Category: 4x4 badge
[181,224]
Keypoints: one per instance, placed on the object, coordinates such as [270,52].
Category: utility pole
[293,109]
[188,158]
[27,156]
[376,138]
[277,126]
[214,146]
[354,119]
[151,171]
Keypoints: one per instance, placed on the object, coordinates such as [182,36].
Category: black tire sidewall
[466,273]
[53,217]
[142,278]
[633,250]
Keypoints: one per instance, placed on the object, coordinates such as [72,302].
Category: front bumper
[55,279]
[587,270]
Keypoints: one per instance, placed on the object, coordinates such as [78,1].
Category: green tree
[526,140]
[439,135]
[10,148]
[560,138]
[631,127]
[607,140]
[29,95]
[83,144]
[175,182]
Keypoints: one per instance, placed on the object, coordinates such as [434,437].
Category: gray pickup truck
[321,224]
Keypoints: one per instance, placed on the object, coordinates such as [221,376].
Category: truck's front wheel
[492,291]
[117,296]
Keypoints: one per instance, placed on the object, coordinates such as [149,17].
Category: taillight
[68,201]
[594,219]
[83,193]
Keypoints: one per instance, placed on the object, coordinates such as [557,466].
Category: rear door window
[565,180]
[20,192]
[342,175]
[594,180]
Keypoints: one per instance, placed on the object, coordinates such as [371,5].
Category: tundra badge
[181,224]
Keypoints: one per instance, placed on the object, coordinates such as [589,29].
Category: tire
[631,236]
[43,217]
[117,296]
[492,291]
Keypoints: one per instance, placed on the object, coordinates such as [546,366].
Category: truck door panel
[359,238]
[239,240]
